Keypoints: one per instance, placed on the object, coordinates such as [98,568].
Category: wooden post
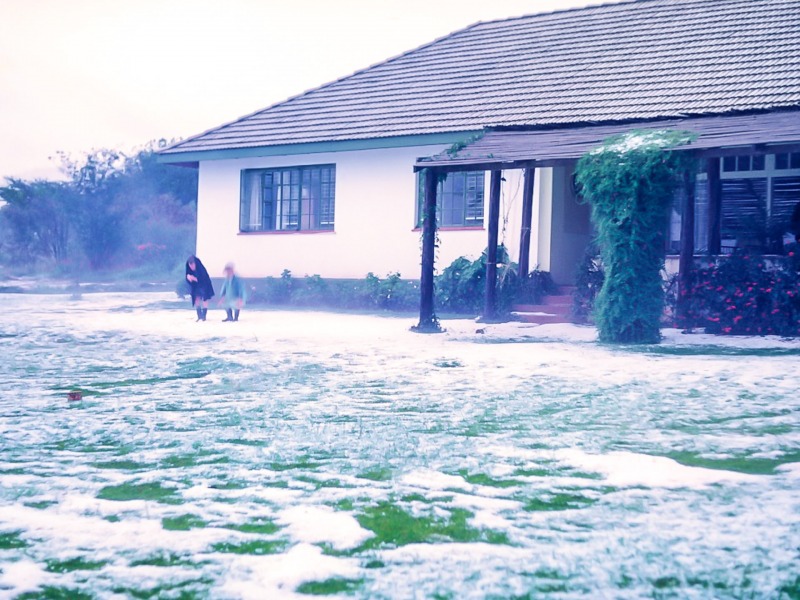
[428,323]
[714,206]
[686,261]
[490,305]
[527,216]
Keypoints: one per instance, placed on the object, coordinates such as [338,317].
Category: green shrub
[589,279]
[391,293]
[745,294]
[630,183]
[461,287]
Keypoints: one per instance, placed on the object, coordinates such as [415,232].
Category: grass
[393,526]
[483,479]
[153,492]
[376,474]
[183,523]
[167,559]
[12,540]
[740,464]
[74,564]
[260,525]
[50,592]
[179,461]
[557,502]
[122,465]
[256,547]
[329,587]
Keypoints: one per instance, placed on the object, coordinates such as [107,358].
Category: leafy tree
[629,182]
[100,220]
[37,219]
[114,212]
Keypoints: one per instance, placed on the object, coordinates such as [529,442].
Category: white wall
[374,219]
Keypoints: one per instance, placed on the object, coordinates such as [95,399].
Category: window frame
[732,168]
[454,199]
[290,199]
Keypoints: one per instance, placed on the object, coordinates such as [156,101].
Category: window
[288,199]
[745,162]
[459,200]
[758,195]
[700,216]
[787,160]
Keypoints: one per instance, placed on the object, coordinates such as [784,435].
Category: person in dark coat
[200,285]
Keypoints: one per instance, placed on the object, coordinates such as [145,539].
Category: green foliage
[142,491]
[534,287]
[115,212]
[629,182]
[461,144]
[461,287]
[394,526]
[391,293]
[36,222]
[745,294]
[328,587]
[589,279]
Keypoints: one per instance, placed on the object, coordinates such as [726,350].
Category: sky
[88,74]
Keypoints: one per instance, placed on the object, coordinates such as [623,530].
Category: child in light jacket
[233,294]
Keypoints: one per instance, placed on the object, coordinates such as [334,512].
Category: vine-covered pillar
[527,217]
[427,317]
[714,206]
[686,260]
[490,304]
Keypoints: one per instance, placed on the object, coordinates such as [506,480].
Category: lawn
[295,454]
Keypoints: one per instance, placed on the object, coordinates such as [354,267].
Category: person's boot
[229,316]
[236,315]
[199,313]
[205,312]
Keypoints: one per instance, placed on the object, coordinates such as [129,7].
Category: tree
[629,182]
[100,220]
[38,218]
[115,212]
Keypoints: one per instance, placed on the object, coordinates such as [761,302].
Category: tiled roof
[636,60]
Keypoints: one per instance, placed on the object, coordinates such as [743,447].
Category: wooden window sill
[466,228]
[287,232]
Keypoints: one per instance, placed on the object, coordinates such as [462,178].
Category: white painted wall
[374,219]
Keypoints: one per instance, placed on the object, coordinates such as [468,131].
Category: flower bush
[746,294]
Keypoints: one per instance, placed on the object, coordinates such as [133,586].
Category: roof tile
[635,60]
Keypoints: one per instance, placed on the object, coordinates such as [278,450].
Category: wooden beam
[776,148]
[454,166]
[428,323]
[490,304]
[527,217]
[714,206]
[686,260]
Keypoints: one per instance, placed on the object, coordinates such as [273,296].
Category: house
[331,182]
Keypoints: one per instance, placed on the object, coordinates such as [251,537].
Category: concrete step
[553,309]
[565,299]
[540,318]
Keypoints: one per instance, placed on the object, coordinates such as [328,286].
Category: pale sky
[76,75]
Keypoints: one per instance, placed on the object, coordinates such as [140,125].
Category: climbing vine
[629,183]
